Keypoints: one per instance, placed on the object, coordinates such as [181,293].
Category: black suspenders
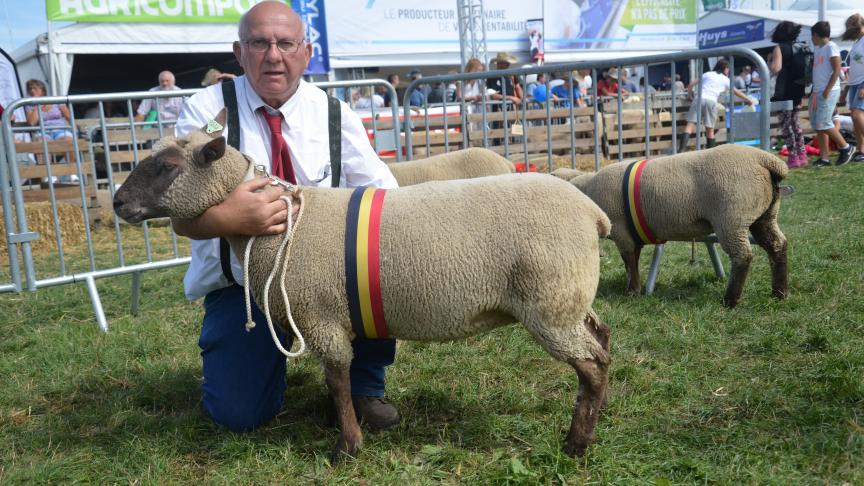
[334,127]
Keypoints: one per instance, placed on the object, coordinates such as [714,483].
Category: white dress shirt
[306,131]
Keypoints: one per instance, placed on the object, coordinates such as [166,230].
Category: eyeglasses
[284,45]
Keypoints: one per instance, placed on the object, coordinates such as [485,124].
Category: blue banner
[315,22]
[729,35]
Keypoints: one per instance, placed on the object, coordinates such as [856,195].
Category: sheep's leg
[593,382]
[737,245]
[350,436]
[768,235]
[631,265]
[569,343]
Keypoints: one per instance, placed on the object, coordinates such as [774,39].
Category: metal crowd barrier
[517,113]
[114,136]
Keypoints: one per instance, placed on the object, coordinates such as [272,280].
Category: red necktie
[281,166]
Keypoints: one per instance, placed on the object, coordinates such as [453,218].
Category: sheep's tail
[775,166]
[604,226]
[778,170]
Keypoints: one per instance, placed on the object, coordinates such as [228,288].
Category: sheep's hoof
[780,294]
[575,449]
[343,451]
[730,303]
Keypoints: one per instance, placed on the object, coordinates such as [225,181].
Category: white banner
[420,26]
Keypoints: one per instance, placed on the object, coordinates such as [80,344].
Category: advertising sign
[152,11]
[315,22]
[375,27]
[620,25]
[729,35]
[535,40]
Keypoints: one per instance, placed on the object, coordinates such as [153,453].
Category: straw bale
[583,162]
[40,219]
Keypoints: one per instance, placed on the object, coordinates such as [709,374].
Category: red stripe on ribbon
[375,263]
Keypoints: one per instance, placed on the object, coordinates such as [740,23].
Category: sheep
[456,258]
[461,164]
[730,189]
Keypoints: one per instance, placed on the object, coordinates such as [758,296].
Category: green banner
[659,12]
[152,11]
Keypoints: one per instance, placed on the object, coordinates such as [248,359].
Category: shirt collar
[255,102]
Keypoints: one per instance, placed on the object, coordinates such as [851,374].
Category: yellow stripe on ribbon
[363,263]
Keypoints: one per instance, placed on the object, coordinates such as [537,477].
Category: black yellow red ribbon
[363,263]
[631,189]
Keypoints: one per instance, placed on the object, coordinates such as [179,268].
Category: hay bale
[583,162]
[40,219]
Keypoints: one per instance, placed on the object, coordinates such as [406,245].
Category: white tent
[717,19]
[102,38]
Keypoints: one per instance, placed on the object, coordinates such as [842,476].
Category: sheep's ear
[213,150]
[216,126]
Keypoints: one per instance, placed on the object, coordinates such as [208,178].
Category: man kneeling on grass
[825,94]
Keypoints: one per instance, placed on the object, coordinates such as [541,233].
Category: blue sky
[21,21]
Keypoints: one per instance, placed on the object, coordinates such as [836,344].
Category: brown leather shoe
[376,412]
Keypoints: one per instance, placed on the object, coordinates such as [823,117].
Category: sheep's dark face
[177,180]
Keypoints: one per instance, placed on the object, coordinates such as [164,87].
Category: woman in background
[855,82]
[789,87]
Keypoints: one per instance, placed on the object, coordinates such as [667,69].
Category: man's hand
[244,212]
[251,213]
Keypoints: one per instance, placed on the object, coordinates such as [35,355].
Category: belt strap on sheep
[363,263]
[636,222]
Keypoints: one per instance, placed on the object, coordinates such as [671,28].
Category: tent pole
[52,88]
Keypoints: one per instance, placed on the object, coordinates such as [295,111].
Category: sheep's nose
[117,203]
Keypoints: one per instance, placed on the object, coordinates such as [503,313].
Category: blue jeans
[244,373]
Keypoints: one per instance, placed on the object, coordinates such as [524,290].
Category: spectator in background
[714,83]
[744,77]
[55,117]
[679,85]
[472,91]
[393,79]
[666,84]
[215,76]
[825,94]
[363,99]
[648,90]
[564,92]
[608,86]
[586,82]
[789,87]
[418,96]
[166,109]
[626,84]
[510,90]
[855,81]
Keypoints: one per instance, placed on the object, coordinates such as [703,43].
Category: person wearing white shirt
[714,83]
[167,109]
[244,373]
[855,82]
[825,93]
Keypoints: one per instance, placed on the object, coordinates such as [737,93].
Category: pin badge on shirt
[213,126]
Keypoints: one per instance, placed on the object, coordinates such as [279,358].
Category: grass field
[769,393]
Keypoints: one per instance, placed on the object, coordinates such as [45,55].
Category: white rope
[286,243]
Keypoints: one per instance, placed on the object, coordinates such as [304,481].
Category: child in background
[825,94]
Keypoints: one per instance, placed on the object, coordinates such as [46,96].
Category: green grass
[771,392]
